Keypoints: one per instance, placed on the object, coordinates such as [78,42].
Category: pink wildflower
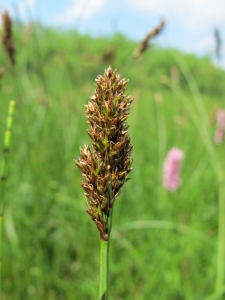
[220,117]
[171,169]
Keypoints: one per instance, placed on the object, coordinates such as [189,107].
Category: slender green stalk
[220,280]
[217,295]
[162,134]
[104,270]
[3,175]
[104,261]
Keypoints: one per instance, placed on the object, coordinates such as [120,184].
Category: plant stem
[221,234]
[104,262]
[217,295]
[104,270]
[3,175]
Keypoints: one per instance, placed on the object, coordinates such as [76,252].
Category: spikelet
[7,39]
[105,169]
[145,43]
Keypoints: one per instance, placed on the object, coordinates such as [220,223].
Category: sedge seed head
[106,168]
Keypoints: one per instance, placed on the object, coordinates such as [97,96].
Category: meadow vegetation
[164,245]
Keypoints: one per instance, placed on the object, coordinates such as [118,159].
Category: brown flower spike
[145,43]
[7,40]
[105,169]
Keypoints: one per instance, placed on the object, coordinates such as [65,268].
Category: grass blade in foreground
[105,169]
[3,175]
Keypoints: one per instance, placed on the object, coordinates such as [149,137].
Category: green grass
[51,247]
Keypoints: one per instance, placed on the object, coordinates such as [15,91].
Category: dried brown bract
[7,39]
[108,55]
[145,43]
[1,74]
[218,43]
[105,169]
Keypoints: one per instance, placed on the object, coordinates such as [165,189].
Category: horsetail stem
[3,174]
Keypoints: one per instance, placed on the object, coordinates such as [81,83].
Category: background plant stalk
[221,233]
[104,263]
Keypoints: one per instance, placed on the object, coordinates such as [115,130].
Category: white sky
[190,23]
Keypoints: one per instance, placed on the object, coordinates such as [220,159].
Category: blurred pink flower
[220,118]
[171,169]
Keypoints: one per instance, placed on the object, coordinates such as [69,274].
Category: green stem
[220,281]
[217,295]
[104,262]
[104,270]
[3,175]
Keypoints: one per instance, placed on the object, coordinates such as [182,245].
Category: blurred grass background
[51,246]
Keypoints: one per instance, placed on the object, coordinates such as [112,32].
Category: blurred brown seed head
[108,55]
[145,43]
[2,70]
[105,169]
[7,40]
[174,74]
